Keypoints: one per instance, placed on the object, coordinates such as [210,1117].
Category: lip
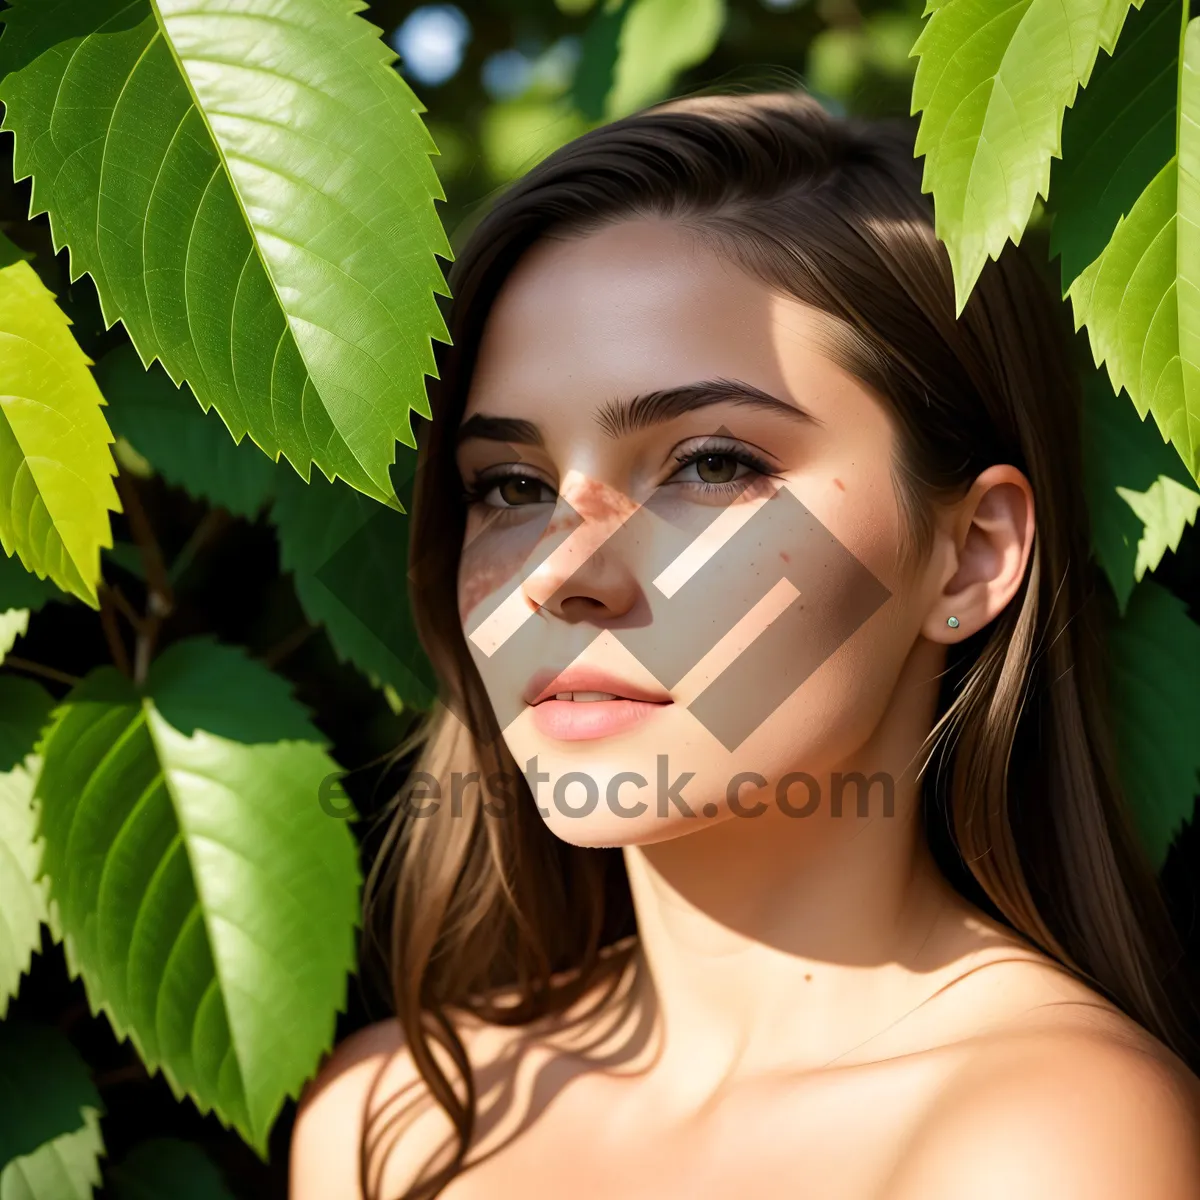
[547,683]
[579,720]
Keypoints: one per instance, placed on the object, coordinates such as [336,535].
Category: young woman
[760,592]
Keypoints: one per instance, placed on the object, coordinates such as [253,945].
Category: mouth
[582,703]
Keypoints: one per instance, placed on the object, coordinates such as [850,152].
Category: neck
[783,942]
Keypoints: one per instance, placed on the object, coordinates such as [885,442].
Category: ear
[989,537]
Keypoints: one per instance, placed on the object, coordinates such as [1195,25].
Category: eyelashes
[508,486]
[496,478]
[703,457]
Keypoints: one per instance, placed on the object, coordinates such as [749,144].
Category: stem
[112,634]
[160,599]
[212,523]
[286,645]
[24,664]
[128,611]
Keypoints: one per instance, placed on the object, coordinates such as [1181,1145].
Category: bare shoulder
[370,1088]
[333,1111]
[1100,1110]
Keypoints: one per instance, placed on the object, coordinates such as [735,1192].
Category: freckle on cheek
[486,569]
[596,501]
[481,577]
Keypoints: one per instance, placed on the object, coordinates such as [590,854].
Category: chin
[620,791]
[602,830]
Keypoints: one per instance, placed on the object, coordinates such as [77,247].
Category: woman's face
[679,578]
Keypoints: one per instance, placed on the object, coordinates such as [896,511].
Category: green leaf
[20,588]
[1116,137]
[517,134]
[22,893]
[836,61]
[167,1169]
[14,623]
[1140,495]
[206,899]
[24,709]
[11,253]
[349,557]
[659,40]
[250,186]
[1154,661]
[44,1088]
[992,83]
[1140,299]
[200,683]
[188,447]
[55,465]
[67,1168]
[128,557]
[1165,509]
[598,60]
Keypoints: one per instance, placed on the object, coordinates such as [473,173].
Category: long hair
[1021,800]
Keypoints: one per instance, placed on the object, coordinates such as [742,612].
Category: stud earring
[952,622]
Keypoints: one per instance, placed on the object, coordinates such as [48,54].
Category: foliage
[22,892]
[1155,659]
[166,1166]
[282,197]
[247,196]
[49,1108]
[202,896]
[1140,495]
[187,446]
[1125,207]
[992,109]
[55,465]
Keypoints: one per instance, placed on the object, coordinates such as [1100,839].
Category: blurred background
[504,82]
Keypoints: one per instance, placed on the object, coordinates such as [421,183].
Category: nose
[588,576]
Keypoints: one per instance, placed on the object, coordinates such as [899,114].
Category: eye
[510,489]
[712,468]
[717,468]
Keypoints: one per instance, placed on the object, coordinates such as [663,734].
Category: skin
[821,1014]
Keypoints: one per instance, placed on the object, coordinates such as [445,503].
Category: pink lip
[547,683]
[578,720]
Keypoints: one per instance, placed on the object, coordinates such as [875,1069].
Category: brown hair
[1021,800]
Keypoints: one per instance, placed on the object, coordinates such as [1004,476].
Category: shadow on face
[680,560]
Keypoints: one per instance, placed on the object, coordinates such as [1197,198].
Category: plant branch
[285,645]
[128,611]
[143,536]
[211,524]
[160,598]
[24,664]
[112,633]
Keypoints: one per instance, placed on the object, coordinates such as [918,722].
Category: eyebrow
[499,429]
[631,416]
[618,418]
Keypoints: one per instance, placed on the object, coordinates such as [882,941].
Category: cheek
[484,569]
[494,554]
[501,550]
[749,627]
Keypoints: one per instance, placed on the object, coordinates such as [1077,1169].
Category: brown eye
[716,468]
[520,489]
